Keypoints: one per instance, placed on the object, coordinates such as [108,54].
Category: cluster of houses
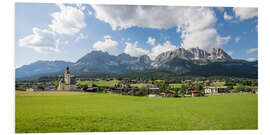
[68,83]
[38,86]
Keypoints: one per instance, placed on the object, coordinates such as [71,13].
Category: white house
[214,89]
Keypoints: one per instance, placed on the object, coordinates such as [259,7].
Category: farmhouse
[254,89]
[214,89]
[196,93]
[153,89]
[68,82]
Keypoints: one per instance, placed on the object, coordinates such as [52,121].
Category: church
[68,82]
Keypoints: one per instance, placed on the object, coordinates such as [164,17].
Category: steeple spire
[67,70]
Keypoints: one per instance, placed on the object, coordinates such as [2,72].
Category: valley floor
[86,112]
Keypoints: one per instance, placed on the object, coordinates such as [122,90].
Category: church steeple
[67,70]
[67,76]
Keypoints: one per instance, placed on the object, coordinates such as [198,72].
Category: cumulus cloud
[245,13]
[66,42]
[227,17]
[133,50]
[108,45]
[251,50]
[251,59]
[237,39]
[158,17]
[81,7]
[204,39]
[155,51]
[41,40]
[151,41]
[81,36]
[69,20]
[190,21]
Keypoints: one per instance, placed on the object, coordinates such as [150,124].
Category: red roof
[196,91]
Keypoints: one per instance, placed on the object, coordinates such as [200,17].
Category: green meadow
[99,83]
[89,112]
[218,84]
[176,85]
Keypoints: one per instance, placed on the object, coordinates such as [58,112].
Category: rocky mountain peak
[218,53]
[191,54]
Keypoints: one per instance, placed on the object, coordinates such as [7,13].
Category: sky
[67,32]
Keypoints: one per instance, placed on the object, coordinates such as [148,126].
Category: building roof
[196,91]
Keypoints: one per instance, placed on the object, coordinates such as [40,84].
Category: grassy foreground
[80,112]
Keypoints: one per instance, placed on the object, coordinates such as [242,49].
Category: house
[117,90]
[254,89]
[215,89]
[170,93]
[91,89]
[153,89]
[163,94]
[196,93]
[30,89]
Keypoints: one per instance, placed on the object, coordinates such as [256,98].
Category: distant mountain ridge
[39,68]
[193,61]
[191,54]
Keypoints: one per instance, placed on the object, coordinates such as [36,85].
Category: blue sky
[69,31]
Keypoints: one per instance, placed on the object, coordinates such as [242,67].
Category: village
[156,88]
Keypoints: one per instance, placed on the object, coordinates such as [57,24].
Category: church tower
[67,76]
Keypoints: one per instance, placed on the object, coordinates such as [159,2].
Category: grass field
[218,84]
[176,85]
[86,112]
[140,85]
[99,83]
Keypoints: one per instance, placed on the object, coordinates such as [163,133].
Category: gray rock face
[191,54]
[217,53]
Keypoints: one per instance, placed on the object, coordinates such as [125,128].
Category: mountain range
[193,61]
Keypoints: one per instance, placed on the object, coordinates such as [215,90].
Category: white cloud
[251,59]
[151,41]
[227,17]
[69,20]
[66,42]
[190,21]
[237,39]
[133,50]
[167,46]
[108,45]
[81,7]
[251,50]
[245,13]
[41,40]
[158,17]
[204,39]
[81,36]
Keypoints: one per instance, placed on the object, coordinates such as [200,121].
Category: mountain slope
[98,61]
[192,62]
[40,68]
